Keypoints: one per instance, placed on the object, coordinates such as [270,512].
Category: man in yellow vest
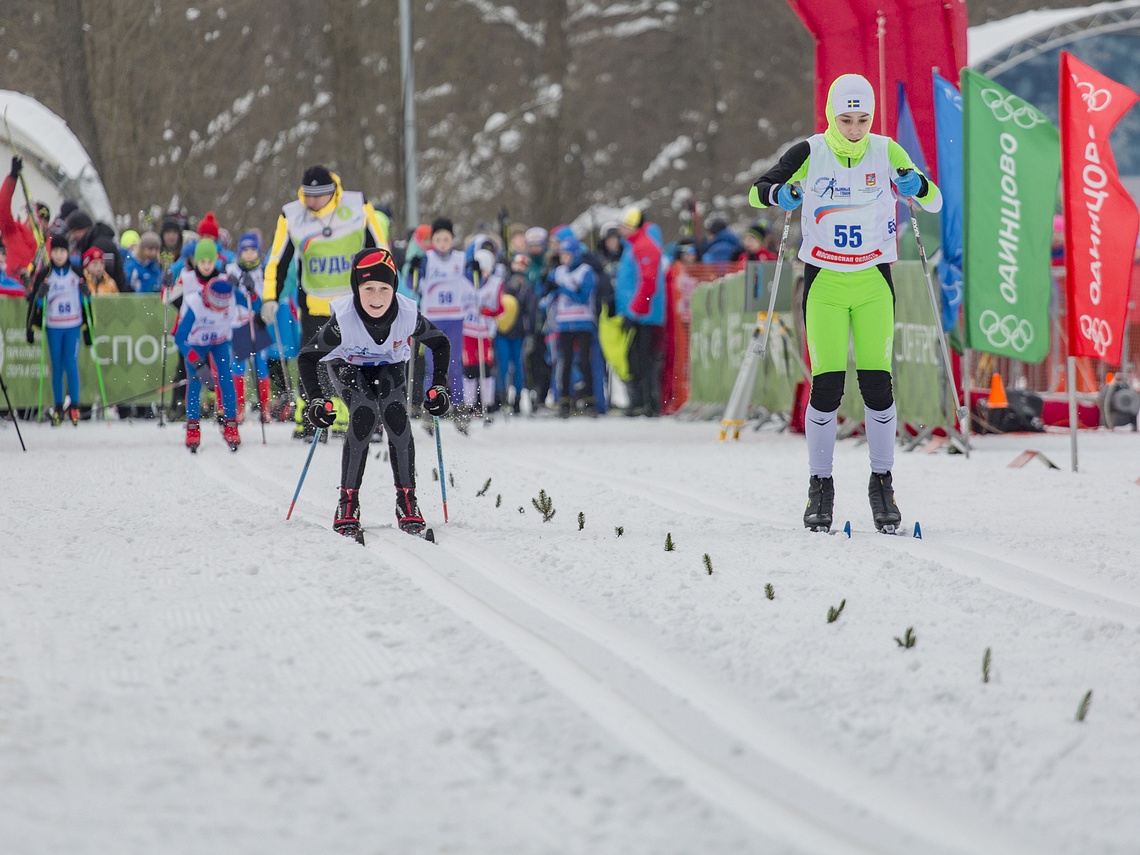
[319,232]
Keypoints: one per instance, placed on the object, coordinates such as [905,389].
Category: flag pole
[1071,371]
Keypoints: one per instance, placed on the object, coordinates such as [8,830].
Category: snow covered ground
[183,671]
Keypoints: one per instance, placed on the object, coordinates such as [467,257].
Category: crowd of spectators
[558,315]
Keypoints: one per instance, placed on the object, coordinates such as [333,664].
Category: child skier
[360,356]
[849,242]
[205,330]
[444,293]
[60,304]
[479,329]
[248,278]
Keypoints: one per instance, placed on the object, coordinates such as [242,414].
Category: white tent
[56,166]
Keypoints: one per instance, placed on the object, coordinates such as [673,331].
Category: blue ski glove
[437,401]
[789,197]
[909,183]
[320,413]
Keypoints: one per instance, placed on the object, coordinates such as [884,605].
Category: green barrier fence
[724,314]
[128,343]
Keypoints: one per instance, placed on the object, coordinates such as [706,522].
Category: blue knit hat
[249,240]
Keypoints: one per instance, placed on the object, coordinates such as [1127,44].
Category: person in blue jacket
[142,268]
[639,293]
[61,305]
[571,301]
[723,245]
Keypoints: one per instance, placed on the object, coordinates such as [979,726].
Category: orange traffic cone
[997,398]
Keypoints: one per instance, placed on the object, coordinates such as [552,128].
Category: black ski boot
[408,515]
[886,513]
[347,519]
[821,500]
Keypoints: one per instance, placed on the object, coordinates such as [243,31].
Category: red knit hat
[209,226]
[92,254]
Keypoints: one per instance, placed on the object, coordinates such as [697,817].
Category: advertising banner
[1011,163]
[1101,219]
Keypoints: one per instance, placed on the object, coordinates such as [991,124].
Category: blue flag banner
[907,133]
[948,134]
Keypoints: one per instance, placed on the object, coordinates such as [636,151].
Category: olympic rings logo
[1010,108]
[1098,332]
[1008,331]
[1095,99]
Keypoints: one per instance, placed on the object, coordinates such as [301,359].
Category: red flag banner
[1101,220]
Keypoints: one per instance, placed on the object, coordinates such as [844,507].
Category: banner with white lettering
[1012,163]
[1101,220]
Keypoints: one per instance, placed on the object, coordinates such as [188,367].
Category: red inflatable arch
[887,41]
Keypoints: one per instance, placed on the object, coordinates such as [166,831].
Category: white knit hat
[851,93]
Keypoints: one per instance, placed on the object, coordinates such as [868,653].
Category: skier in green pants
[849,241]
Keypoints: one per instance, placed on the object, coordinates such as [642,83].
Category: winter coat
[639,291]
[725,246]
[19,239]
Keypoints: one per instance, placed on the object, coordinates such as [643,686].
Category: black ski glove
[17,165]
[31,336]
[202,372]
[87,336]
[437,401]
[320,413]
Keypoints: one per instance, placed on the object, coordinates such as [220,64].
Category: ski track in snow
[726,725]
[1058,587]
[688,725]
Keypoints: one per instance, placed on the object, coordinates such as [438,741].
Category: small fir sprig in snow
[708,564]
[908,640]
[769,592]
[669,547]
[986,661]
[544,505]
[581,520]
[619,530]
[498,499]
[833,613]
[1083,709]
[486,487]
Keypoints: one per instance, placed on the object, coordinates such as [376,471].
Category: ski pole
[479,348]
[305,471]
[776,280]
[159,389]
[24,185]
[286,410]
[253,364]
[12,410]
[95,356]
[439,454]
[162,376]
[960,411]
[43,359]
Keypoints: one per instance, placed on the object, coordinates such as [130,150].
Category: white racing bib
[356,344]
[848,215]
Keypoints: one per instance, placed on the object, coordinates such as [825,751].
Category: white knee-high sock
[820,429]
[881,426]
[470,390]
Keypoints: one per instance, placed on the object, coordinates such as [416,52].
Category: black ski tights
[374,394]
